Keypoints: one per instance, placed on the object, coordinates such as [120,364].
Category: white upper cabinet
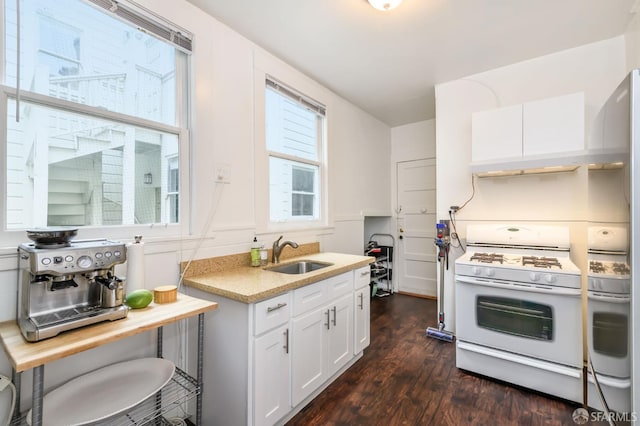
[531,130]
[553,125]
[497,134]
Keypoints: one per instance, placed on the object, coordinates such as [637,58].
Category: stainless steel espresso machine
[63,285]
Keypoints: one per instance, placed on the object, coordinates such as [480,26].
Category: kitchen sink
[299,267]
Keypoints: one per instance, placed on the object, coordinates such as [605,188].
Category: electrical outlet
[222,172]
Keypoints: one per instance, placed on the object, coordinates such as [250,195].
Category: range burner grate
[613,268]
[541,262]
[487,258]
[621,268]
[596,267]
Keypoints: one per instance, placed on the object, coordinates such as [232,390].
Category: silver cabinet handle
[286,341]
[361,301]
[275,308]
[334,315]
[328,323]
[363,273]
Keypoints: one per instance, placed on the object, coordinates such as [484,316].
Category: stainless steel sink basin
[299,267]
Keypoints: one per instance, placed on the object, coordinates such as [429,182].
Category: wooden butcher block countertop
[252,284]
[24,355]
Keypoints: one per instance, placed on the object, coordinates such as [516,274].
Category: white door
[415,256]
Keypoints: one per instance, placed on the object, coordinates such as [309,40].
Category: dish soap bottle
[255,252]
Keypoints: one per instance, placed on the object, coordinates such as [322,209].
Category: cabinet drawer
[362,276]
[309,297]
[339,285]
[271,313]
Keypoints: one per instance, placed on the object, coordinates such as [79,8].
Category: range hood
[560,162]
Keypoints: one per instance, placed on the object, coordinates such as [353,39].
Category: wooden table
[24,355]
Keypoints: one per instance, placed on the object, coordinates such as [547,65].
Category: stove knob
[476,270]
[597,284]
[550,278]
[84,262]
[490,272]
[534,276]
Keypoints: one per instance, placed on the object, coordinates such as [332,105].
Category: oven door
[608,333]
[536,321]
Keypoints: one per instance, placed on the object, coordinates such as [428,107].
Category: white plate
[104,392]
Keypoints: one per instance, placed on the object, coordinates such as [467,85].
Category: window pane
[73,51]
[303,179]
[294,190]
[302,204]
[70,169]
[292,129]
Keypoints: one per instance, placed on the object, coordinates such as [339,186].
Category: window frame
[184,120]
[263,155]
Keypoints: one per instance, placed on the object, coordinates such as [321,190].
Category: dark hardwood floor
[406,378]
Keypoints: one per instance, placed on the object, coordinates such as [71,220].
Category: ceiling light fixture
[385,5]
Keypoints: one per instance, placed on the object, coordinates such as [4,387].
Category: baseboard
[422,296]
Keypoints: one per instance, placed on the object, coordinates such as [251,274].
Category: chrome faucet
[277,248]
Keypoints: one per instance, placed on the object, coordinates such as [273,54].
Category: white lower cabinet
[267,358]
[309,361]
[362,309]
[340,334]
[322,340]
[272,376]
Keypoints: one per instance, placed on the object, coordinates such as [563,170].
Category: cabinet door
[553,125]
[340,333]
[272,372]
[496,134]
[308,362]
[362,306]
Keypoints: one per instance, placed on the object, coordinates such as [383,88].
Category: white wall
[632,39]
[595,69]
[224,70]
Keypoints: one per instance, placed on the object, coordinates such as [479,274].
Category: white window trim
[162,231]
[261,159]
[14,237]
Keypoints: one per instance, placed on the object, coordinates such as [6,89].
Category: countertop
[252,284]
[25,355]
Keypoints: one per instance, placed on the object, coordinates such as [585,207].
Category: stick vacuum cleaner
[443,243]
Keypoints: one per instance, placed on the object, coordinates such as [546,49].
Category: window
[294,140]
[95,115]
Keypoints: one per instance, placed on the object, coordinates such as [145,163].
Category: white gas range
[519,308]
[609,317]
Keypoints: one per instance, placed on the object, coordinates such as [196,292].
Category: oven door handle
[560,291]
[622,299]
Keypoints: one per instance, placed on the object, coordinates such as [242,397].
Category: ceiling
[388,62]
